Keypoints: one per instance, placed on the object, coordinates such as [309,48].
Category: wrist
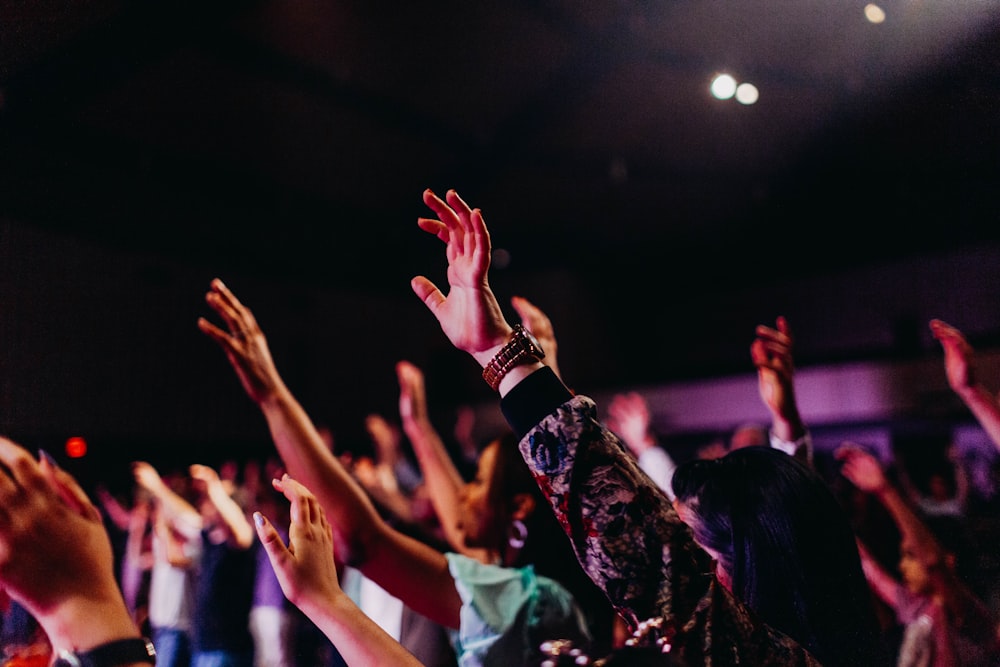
[125,652]
[84,623]
[516,374]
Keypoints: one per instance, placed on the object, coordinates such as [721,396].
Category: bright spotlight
[723,87]
[747,93]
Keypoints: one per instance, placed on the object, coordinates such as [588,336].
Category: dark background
[283,146]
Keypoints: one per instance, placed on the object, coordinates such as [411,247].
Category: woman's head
[504,491]
[783,546]
[501,492]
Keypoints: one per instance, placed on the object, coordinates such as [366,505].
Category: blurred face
[476,518]
[687,514]
[916,576]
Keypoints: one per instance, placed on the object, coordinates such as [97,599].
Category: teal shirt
[508,612]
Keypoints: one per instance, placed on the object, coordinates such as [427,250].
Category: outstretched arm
[771,352]
[239,533]
[958,366]
[308,576]
[444,481]
[175,510]
[413,572]
[55,555]
[865,472]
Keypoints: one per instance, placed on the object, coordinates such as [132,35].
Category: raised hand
[861,468]
[628,416]
[412,393]
[305,567]
[469,314]
[771,352]
[958,356]
[243,342]
[55,555]
[307,574]
[537,322]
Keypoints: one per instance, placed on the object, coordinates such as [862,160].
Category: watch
[522,348]
[111,654]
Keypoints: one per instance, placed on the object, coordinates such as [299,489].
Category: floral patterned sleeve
[633,545]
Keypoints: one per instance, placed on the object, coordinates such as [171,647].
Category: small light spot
[501,258]
[874,13]
[76,447]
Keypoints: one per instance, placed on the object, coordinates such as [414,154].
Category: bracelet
[111,654]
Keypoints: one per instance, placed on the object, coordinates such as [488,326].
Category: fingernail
[258,519]
[44,455]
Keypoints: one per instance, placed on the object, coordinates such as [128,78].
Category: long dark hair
[788,547]
[547,548]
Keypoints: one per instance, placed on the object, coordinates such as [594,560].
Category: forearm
[788,425]
[176,511]
[357,637]
[985,409]
[83,622]
[619,522]
[308,459]
[443,480]
[910,526]
[880,581]
[239,528]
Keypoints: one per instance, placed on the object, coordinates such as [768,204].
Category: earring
[518,533]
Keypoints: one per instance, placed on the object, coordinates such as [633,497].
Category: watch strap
[111,654]
[518,350]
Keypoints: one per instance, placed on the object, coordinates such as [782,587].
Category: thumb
[275,548]
[427,292]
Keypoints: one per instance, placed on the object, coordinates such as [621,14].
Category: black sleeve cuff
[533,399]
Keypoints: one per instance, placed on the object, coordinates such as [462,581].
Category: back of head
[787,546]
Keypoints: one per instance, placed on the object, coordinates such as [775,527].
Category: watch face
[535,346]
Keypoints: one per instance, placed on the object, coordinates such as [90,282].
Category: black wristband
[112,654]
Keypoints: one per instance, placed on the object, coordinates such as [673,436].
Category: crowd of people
[578,538]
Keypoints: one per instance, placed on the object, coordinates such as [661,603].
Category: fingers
[16,459]
[269,538]
[455,218]
[427,292]
[238,317]
[69,490]
[532,317]
[215,333]
[411,378]
[304,505]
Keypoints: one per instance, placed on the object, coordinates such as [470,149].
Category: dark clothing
[223,596]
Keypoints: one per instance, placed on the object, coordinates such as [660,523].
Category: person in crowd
[176,546]
[945,623]
[136,560]
[442,477]
[500,612]
[786,587]
[56,561]
[224,584]
[629,417]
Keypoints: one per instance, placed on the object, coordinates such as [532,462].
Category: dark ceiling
[291,140]
[294,138]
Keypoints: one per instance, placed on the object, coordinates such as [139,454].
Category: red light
[76,447]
